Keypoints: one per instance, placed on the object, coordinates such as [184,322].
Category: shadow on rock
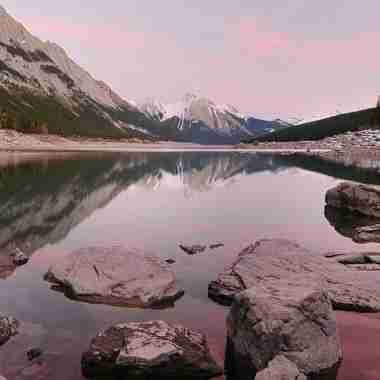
[359,228]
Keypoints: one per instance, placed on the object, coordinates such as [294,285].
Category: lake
[52,204]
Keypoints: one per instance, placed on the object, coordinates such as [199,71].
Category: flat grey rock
[285,329]
[8,328]
[150,350]
[277,259]
[360,198]
[115,276]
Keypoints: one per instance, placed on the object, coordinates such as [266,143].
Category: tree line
[8,120]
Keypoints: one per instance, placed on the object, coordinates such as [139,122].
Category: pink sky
[301,60]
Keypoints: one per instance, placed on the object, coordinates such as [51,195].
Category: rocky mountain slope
[201,120]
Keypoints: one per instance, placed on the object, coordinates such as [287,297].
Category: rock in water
[193,249]
[283,330]
[115,276]
[276,259]
[360,198]
[34,353]
[358,227]
[8,328]
[150,350]
[19,257]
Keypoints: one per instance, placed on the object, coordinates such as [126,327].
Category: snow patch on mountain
[192,110]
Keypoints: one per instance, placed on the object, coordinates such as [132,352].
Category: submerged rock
[193,249]
[361,198]
[8,328]
[34,353]
[115,276]
[273,260]
[285,329]
[150,350]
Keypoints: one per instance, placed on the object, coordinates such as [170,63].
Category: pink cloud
[256,40]
[93,34]
[264,43]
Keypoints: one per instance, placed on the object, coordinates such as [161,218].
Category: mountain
[41,201]
[334,125]
[201,120]
[43,90]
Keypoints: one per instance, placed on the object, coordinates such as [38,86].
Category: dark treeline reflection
[42,200]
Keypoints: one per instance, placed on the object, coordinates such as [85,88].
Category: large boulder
[360,198]
[267,261]
[283,330]
[149,350]
[8,328]
[115,276]
[358,227]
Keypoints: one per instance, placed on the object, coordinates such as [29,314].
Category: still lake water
[53,204]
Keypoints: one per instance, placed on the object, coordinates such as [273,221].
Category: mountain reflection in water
[43,198]
[52,204]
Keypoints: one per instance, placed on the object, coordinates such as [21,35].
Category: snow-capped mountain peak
[195,110]
[3,11]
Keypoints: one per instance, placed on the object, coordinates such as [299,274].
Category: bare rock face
[8,328]
[277,259]
[150,350]
[360,198]
[285,329]
[115,276]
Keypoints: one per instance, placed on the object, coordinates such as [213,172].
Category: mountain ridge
[42,90]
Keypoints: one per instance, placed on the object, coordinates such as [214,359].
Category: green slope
[31,113]
[316,130]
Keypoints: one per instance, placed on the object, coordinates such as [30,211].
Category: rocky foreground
[150,350]
[269,261]
[286,330]
[115,276]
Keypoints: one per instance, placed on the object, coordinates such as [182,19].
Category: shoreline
[14,142]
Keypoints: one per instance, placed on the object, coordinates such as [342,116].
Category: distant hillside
[259,127]
[317,130]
